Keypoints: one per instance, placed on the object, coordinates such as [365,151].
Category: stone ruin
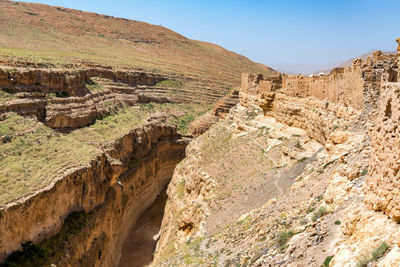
[368,89]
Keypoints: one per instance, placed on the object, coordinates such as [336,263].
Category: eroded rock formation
[112,191]
[74,99]
[220,110]
[354,114]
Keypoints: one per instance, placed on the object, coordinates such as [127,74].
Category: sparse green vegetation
[302,160]
[34,154]
[95,86]
[303,221]
[327,261]
[4,96]
[363,172]
[183,122]
[169,83]
[375,255]
[144,46]
[262,129]
[181,188]
[251,115]
[282,238]
[337,222]
[326,165]
[298,145]
[363,261]
[379,251]
[321,211]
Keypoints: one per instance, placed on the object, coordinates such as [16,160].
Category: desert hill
[59,36]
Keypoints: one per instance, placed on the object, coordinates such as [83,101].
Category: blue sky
[292,35]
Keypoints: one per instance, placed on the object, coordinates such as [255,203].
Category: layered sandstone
[113,191]
[74,99]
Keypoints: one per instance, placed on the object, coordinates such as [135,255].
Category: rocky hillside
[302,172]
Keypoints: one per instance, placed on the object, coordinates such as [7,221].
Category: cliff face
[340,207]
[70,99]
[112,191]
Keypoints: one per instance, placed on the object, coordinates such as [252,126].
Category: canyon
[136,156]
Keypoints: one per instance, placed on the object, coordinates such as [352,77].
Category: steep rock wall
[317,118]
[383,182]
[62,99]
[71,83]
[113,190]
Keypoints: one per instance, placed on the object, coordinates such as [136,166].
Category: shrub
[298,145]
[303,221]
[302,160]
[363,172]
[42,254]
[169,83]
[61,94]
[183,122]
[30,255]
[375,255]
[283,237]
[379,251]
[327,261]
[337,222]
[6,139]
[319,213]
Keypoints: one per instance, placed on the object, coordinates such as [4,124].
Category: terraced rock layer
[74,99]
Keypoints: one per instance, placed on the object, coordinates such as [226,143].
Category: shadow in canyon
[138,249]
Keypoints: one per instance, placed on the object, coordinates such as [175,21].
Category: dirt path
[140,245]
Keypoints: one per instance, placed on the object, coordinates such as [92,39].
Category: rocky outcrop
[220,110]
[76,112]
[259,91]
[112,192]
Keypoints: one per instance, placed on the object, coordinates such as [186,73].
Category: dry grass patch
[32,155]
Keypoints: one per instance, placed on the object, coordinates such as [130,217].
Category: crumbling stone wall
[257,90]
[384,179]
[383,184]
[356,86]
[342,86]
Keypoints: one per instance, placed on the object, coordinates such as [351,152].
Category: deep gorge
[94,209]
